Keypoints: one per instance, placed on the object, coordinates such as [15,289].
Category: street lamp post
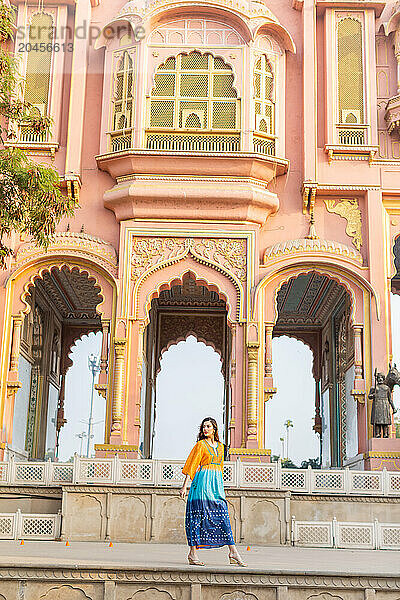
[94,368]
[81,436]
[283,448]
[288,424]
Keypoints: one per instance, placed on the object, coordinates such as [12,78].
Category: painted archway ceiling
[73,294]
[308,299]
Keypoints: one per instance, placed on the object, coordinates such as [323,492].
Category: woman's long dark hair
[213,422]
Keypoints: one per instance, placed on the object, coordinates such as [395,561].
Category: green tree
[310,462]
[287,463]
[31,201]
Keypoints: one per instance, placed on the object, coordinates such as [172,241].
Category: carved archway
[182,308]
[52,303]
[319,310]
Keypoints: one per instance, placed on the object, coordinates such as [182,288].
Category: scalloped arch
[79,337]
[177,259]
[71,592]
[211,52]
[293,336]
[39,275]
[178,280]
[340,273]
[182,338]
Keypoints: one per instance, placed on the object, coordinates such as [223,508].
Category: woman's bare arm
[182,491]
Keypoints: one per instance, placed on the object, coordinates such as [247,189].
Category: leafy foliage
[311,462]
[31,201]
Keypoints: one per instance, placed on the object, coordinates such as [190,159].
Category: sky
[78,387]
[190,387]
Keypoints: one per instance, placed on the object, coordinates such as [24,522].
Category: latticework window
[350,71]
[123,94]
[38,72]
[194,91]
[264,105]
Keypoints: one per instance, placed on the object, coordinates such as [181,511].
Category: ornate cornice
[306,245]
[364,499]
[116,448]
[377,454]
[250,451]
[207,575]
[30,490]
[81,245]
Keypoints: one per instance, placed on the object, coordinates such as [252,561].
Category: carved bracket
[101,389]
[348,209]
[269,392]
[359,396]
[13,387]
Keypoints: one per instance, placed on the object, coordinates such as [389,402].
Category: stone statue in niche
[382,403]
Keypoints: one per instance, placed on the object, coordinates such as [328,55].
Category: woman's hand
[182,492]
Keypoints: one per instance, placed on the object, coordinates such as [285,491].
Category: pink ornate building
[237,165]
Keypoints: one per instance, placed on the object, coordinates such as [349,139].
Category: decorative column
[252,393]
[16,343]
[358,391]
[118,388]
[60,410]
[105,325]
[269,389]
[102,385]
[232,420]
[139,372]
[357,330]
[268,350]
[13,384]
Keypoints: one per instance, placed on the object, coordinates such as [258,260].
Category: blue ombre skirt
[207,519]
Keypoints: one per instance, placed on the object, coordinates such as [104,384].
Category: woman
[207,519]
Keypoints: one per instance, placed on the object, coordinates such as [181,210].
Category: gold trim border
[122,447]
[376,454]
[250,451]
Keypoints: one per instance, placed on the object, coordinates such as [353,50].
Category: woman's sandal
[198,563]
[236,561]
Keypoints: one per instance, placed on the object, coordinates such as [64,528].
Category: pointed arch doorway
[187,307]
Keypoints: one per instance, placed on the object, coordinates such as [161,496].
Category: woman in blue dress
[207,519]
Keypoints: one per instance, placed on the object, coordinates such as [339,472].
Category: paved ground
[274,560]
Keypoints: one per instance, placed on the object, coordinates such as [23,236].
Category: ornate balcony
[202,141]
[192,184]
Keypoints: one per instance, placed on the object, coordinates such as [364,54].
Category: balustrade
[19,526]
[343,534]
[237,474]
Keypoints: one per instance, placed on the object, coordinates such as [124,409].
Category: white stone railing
[337,534]
[238,474]
[19,526]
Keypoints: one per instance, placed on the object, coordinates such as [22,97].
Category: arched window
[122,109]
[38,71]
[350,78]
[194,93]
[264,105]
